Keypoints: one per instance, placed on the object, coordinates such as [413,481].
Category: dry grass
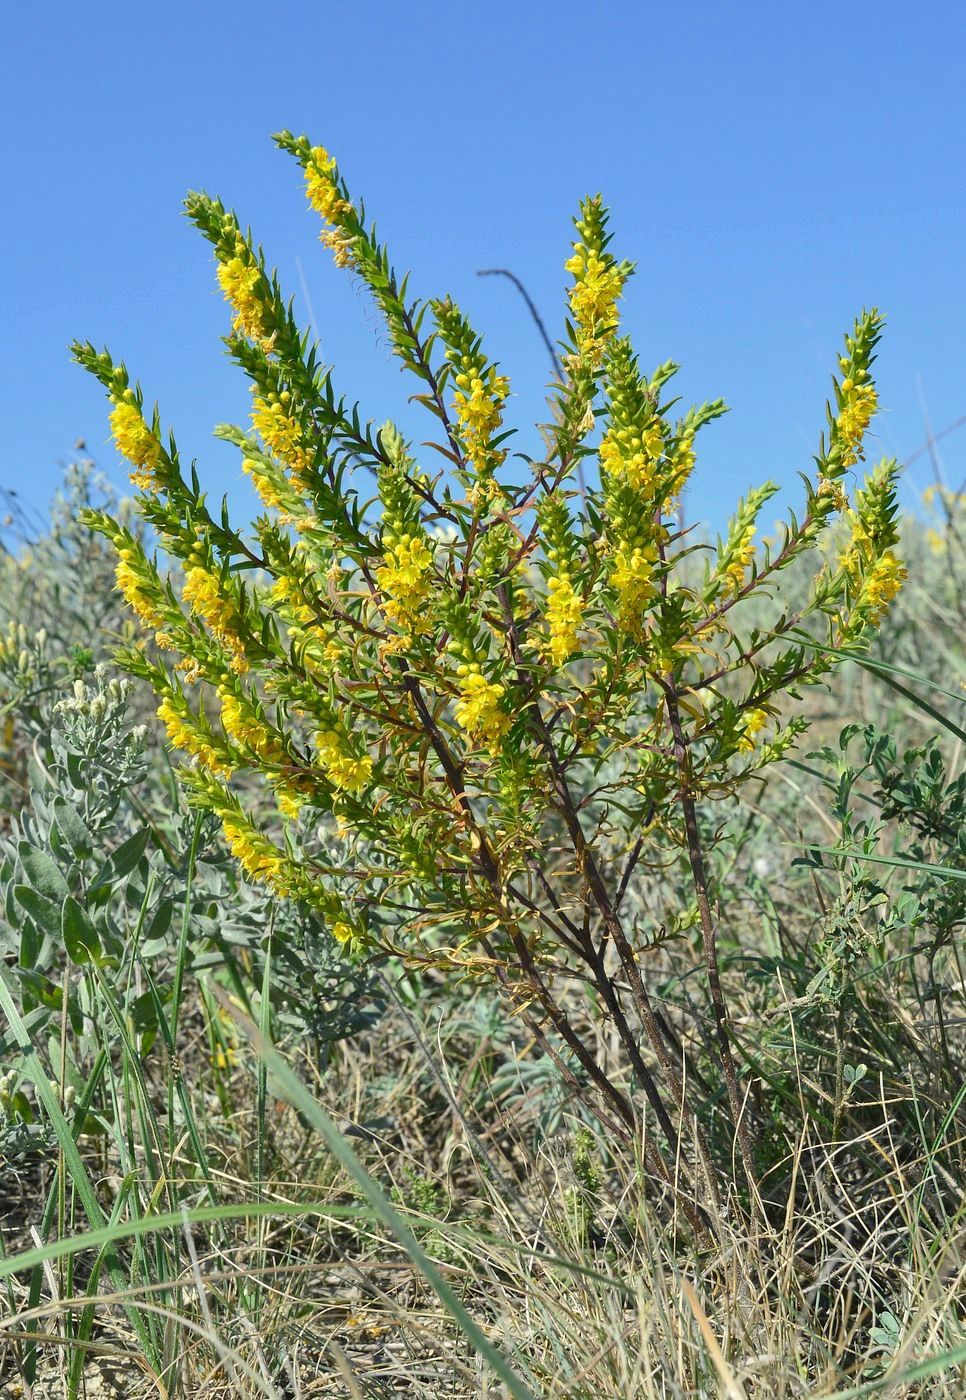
[853,1270]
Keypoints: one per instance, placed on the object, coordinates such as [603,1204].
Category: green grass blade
[73,1162]
[882,668]
[380,1203]
[945,872]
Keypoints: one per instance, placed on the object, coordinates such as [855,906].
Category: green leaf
[43,873]
[72,828]
[156,935]
[44,912]
[122,861]
[80,936]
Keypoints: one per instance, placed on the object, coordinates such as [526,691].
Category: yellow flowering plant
[476,710]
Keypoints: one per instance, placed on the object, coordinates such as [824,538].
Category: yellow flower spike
[593,301]
[202,593]
[598,283]
[263,484]
[240,723]
[131,587]
[325,197]
[882,584]
[135,441]
[404,581]
[632,578]
[565,610]
[255,855]
[478,709]
[633,459]
[479,414]
[282,435]
[859,403]
[238,281]
[190,740]
[344,770]
[745,552]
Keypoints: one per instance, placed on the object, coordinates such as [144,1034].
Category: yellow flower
[753,722]
[633,581]
[478,710]
[598,283]
[342,932]
[203,594]
[859,403]
[881,585]
[185,736]
[478,405]
[344,770]
[132,588]
[565,610]
[404,580]
[290,801]
[256,856]
[281,434]
[632,456]
[239,281]
[740,559]
[241,723]
[135,441]
[325,197]
[286,592]
[263,484]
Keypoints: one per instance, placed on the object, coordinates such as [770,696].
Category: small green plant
[476,708]
[900,813]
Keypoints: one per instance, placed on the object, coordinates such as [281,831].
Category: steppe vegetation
[467,934]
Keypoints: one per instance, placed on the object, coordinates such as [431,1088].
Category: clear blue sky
[771,167]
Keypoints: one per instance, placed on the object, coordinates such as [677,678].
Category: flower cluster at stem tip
[597,286]
[326,198]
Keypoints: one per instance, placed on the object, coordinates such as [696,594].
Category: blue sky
[771,168]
